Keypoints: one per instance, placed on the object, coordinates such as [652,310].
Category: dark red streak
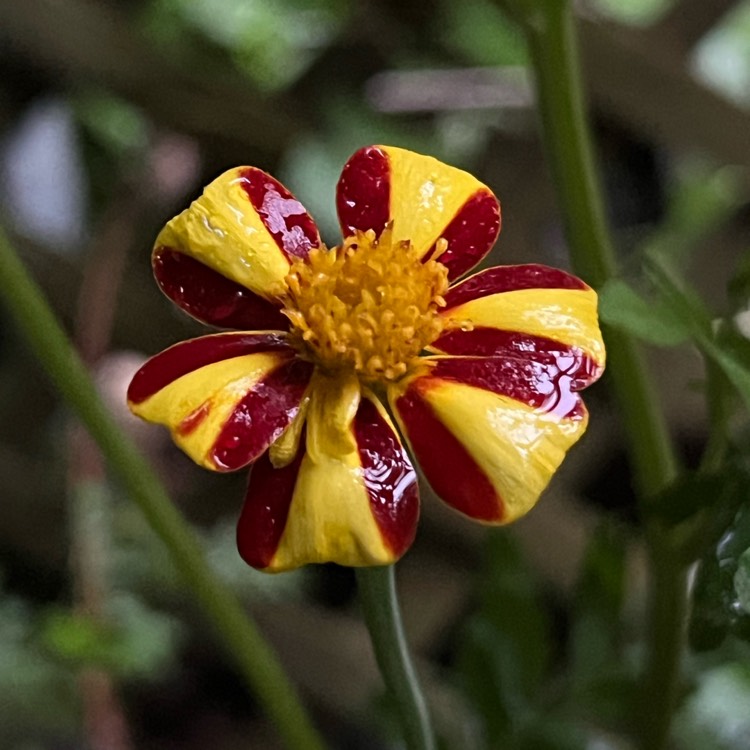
[389,478]
[261,416]
[193,420]
[494,342]
[471,233]
[510,279]
[363,193]
[282,214]
[451,471]
[191,355]
[546,387]
[266,510]
[210,297]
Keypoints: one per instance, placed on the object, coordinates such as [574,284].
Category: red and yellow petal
[225,398]
[247,228]
[211,298]
[489,433]
[425,199]
[528,311]
[349,496]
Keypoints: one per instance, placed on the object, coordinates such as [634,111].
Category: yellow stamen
[370,305]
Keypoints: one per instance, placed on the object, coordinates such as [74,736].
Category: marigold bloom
[482,375]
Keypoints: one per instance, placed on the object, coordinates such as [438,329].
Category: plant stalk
[377,595]
[553,47]
[241,638]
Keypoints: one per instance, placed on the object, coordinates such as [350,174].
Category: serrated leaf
[620,306]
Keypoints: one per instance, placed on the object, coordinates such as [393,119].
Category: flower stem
[243,641]
[550,31]
[377,595]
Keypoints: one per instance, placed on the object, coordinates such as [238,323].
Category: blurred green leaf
[272,42]
[551,733]
[717,608]
[601,686]
[481,32]
[116,124]
[37,694]
[622,307]
[716,716]
[702,199]
[595,635]
[721,343]
[694,491]
[132,642]
[635,12]
[506,651]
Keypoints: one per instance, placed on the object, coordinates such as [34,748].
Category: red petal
[210,297]
[546,387]
[267,502]
[363,193]
[389,478]
[282,214]
[494,342]
[471,234]
[452,473]
[261,416]
[509,279]
[193,354]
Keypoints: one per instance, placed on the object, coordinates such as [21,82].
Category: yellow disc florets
[370,305]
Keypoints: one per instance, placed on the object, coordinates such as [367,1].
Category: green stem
[377,595]
[554,53]
[243,641]
[550,30]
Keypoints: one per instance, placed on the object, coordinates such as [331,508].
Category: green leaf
[721,343]
[620,306]
[132,642]
[693,492]
[719,603]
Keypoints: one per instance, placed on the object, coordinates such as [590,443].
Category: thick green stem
[550,30]
[377,595]
[240,636]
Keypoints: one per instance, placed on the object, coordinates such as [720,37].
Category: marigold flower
[482,376]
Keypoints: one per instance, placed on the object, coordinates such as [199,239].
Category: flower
[481,375]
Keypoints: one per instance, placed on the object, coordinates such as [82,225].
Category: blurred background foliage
[113,113]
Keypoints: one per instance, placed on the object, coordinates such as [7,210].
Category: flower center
[370,305]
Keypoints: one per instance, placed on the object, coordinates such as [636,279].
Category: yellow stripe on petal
[565,315]
[247,243]
[330,517]
[425,195]
[517,447]
[196,406]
